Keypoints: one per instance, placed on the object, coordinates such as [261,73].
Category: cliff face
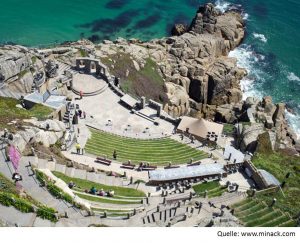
[18,66]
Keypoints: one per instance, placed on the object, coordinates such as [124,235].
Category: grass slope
[155,151]
[84,184]
[144,82]
[213,189]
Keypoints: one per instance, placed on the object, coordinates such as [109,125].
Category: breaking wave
[222,5]
[294,121]
[293,77]
[261,37]
[247,58]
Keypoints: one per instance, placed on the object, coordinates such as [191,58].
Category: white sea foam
[246,58]
[245,16]
[294,121]
[293,77]
[222,5]
[261,37]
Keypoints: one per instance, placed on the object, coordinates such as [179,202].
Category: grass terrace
[279,165]
[120,192]
[155,151]
[253,212]
[214,189]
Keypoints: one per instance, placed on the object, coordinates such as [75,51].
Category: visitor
[93,190]
[115,155]
[110,193]
[71,184]
[101,192]
[81,94]
[17,177]
[84,114]
[78,148]
[80,113]
[5,135]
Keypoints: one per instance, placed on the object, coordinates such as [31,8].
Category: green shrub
[47,213]
[54,190]
[58,193]
[20,204]
[40,177]
[23,206]
[6,199]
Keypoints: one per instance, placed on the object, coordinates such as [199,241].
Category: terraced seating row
[254,213]
[156,151]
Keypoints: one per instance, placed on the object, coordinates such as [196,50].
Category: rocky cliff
[18,66]
[194,65]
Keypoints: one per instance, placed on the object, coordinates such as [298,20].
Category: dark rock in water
[115,4]
[147,22]
[179,29]
[111,26]
[94,38]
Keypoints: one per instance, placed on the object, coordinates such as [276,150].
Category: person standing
[81,94]
[115,155]
[78,148]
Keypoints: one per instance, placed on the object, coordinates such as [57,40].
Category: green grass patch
[228,128]
[267,217]
[83,53]
[155,151]
[213,188]
[200,188]
[85,184]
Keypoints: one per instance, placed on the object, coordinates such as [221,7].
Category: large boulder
[247,136]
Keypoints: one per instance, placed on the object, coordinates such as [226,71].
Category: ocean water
[270,51]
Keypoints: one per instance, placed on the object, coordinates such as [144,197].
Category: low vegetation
[9,196]
[144,82]
[9,112]
[279,165]
[155,151]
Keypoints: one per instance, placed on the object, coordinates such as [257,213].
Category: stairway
[62,67]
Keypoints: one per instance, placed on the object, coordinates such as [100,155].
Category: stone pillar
[159,110]
[143,102]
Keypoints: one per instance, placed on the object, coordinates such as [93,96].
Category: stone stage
[88,84]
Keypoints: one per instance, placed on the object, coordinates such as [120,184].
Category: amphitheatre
[91,154]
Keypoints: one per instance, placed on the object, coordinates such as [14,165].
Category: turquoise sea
[270,52]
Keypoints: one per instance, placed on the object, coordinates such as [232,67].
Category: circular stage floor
[88,84]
